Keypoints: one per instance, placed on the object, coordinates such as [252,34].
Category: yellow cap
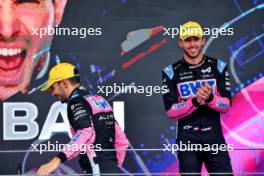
[59,72]
[190,29]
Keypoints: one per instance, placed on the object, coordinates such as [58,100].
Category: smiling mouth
[11,64]
[193,50]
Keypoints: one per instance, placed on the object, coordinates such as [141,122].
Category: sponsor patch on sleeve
[169,71]
[220,65]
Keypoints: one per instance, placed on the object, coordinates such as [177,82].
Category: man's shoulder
[218,63]
[78,96]
[169,70]
[75,102]
[174,65]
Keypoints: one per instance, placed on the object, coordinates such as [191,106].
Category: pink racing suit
[97,137]
[198,123]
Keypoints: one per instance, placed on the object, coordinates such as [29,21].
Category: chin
[193,56]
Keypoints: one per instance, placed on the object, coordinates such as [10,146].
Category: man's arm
[221,100]
[175,109]
[49,167]
[80,114]
[121,143]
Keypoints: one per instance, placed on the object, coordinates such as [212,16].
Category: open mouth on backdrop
[11,65]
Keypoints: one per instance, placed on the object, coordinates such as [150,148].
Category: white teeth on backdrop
[10,52]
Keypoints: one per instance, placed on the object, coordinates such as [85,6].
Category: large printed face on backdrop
[22,50]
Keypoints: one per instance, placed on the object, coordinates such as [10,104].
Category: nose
[192,43]
[9,23]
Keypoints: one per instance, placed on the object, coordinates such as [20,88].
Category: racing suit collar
[73,92]
[190,66]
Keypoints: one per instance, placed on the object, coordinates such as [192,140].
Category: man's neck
[193,61]
[71,89]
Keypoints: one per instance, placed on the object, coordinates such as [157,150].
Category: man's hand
[45,169]
[200,100]
[203,93]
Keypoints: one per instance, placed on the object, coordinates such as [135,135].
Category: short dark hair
[76,79]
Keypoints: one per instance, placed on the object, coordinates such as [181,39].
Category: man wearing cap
[92,122]
[198,90]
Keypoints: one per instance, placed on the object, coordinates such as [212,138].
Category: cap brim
[185,37]
[46,86]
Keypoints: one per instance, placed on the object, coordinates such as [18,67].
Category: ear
[59,10]
[203,41]
[64,83]
[180,43]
